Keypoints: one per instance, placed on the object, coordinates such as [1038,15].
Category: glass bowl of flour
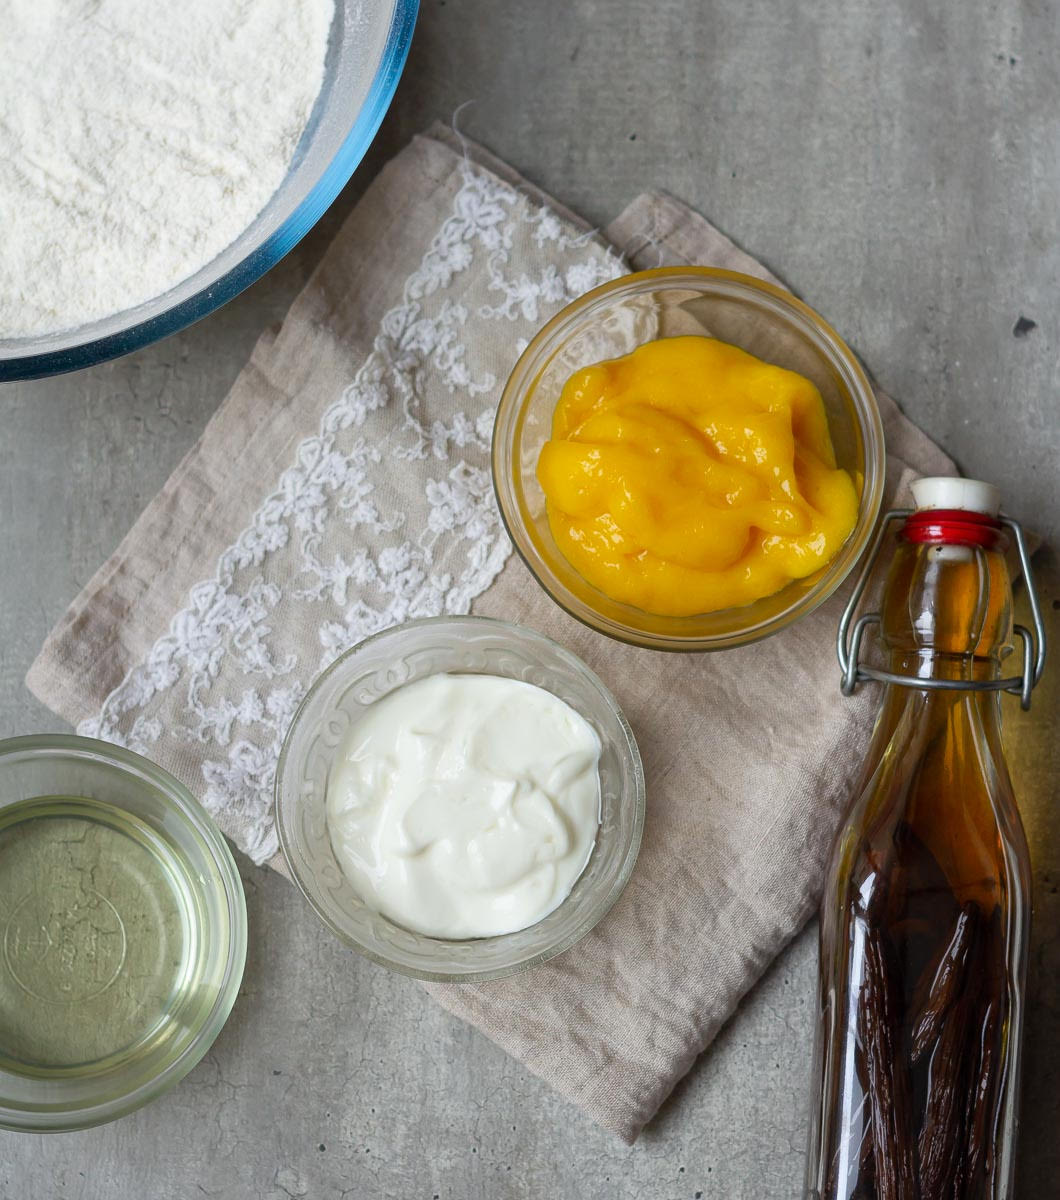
[367,683]
[157,160]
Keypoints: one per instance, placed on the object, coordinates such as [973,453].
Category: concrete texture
[899,168]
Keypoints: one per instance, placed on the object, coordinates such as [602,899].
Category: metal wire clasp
[848,641]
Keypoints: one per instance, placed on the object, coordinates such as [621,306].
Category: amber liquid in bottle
[925,915]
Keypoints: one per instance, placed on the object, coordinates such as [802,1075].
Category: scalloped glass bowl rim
[262,258]
[548,341]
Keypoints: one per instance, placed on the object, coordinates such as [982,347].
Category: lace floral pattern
[386,513]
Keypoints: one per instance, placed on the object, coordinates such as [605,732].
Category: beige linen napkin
[343,485]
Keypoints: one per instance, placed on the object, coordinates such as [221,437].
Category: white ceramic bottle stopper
[971,495]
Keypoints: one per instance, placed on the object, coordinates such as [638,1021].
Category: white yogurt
[464,806]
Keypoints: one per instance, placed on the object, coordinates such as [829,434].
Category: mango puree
[691,476]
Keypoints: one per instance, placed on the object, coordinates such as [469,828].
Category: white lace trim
[380,569]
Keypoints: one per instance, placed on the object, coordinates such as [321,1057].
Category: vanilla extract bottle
[926,907]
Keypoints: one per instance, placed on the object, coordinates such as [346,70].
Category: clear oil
[97,938]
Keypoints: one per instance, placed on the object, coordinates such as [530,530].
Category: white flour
[138,139]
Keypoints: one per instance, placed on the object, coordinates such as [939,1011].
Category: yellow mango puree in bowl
[690,476]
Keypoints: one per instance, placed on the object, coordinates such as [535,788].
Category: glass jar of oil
[122,932]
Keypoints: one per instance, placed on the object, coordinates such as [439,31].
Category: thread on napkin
[343,485]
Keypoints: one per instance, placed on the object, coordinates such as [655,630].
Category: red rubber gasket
[952,527]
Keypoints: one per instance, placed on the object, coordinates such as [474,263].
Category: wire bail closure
[848,640]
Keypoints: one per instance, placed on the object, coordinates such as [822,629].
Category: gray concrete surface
[900,169]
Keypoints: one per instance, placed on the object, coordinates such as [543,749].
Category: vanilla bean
[888,1077]
[980,1105]
[866,1166]
[940,1143]
[938,986]
[992,1138]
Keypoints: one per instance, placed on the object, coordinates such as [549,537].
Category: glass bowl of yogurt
[460,798]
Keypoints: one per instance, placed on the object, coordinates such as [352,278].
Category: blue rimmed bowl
[367,48]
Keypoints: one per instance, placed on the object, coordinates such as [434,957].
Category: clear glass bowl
[123,932]
[613,320]
[367,48]
[373,669]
